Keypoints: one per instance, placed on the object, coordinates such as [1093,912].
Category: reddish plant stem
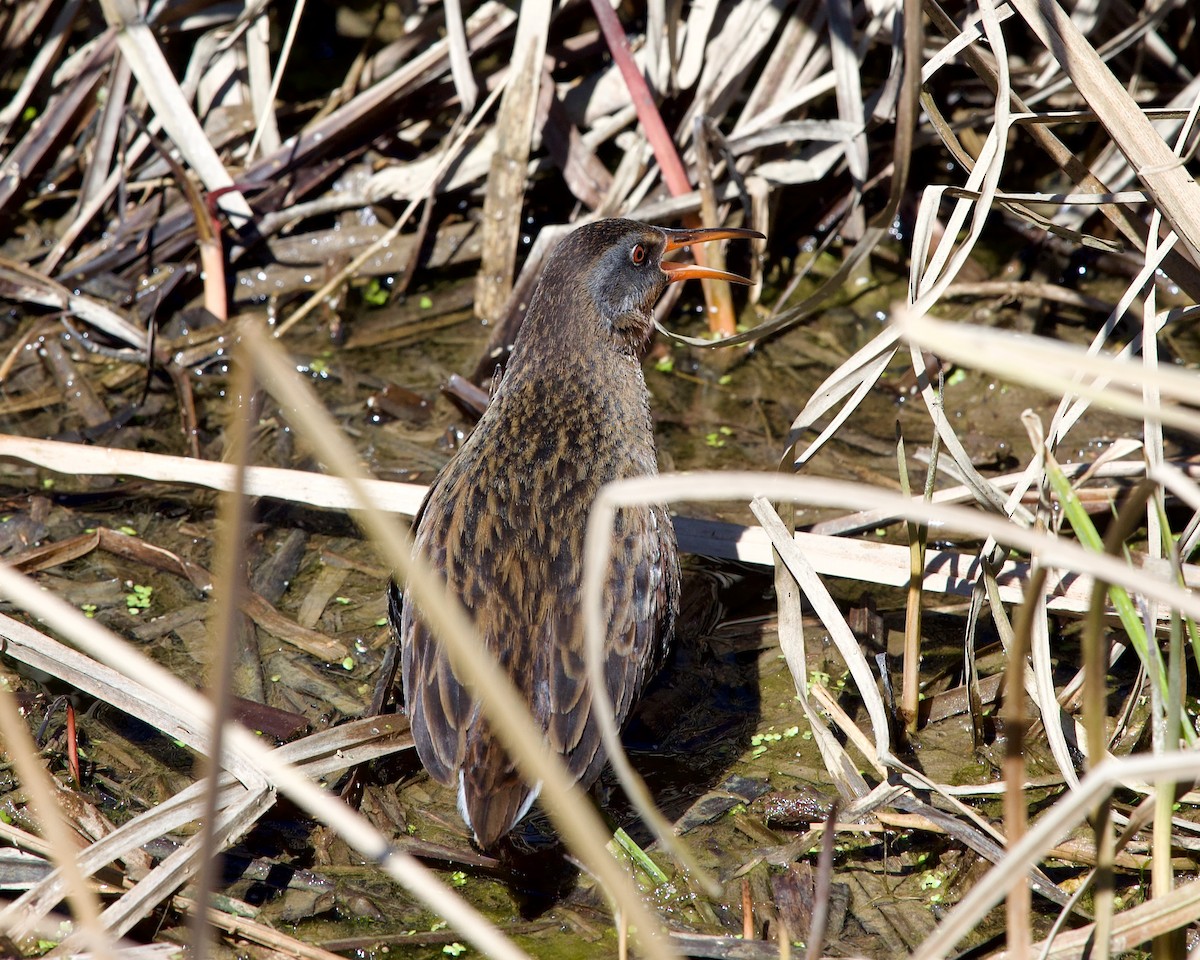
[651,120]
[73,748]
[720,314]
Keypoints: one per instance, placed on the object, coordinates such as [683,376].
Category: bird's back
[504,523]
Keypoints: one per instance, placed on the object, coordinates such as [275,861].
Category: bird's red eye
[638,254]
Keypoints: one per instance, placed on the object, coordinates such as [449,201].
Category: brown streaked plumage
[504,522]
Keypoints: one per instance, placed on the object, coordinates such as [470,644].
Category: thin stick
[222,637]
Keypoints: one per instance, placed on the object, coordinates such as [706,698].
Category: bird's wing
[640,603]
[438,706]
[466,536]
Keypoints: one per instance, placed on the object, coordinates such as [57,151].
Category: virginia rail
[504,522]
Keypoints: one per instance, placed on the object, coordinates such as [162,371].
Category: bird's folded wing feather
[438,706]
[640,601]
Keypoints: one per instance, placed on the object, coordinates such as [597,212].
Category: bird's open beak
[691,271]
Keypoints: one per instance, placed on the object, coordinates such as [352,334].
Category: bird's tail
[492,795]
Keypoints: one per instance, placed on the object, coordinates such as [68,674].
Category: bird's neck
[565,363]
[562,379]
[575,345]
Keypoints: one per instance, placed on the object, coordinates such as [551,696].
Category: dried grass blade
[300,486]
[503,204]
[354,828]
[1070,409]
[660,48]
[161,89]
[52,46]
[809,490]
[94,199]
[716,292]
[53,554]
[1039,682]
[1129,927]
[1182,271]
[846,776]
[1099,468]
[339,748]
[729,57]
[849,89]
[18,29]
[276,943]
[582,171]
[460,57]
[796,50]
[160,558]
[1174,190]
[266,130]
[27,645]
[259,80]
[488,22]
[1018,906]
[967,35]
[54,123]
[856,377]
[833,621]
[706,486]
[178,867]
[1040,362]
[456,141]
[984,491]
[111,127]
[695,41]
[818,702]
[18,282]
[318,755]
[949,572]
[312,642]
[918,542]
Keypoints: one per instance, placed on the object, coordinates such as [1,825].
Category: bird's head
[614,271]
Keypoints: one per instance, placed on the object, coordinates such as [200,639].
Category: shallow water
[720,738]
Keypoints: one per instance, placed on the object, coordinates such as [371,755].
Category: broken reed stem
[910,684]
[721,320]
[1019,905]
[1095,663]
[747,911]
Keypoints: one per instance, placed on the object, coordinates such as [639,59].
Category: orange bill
[679,238]
[693,271]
